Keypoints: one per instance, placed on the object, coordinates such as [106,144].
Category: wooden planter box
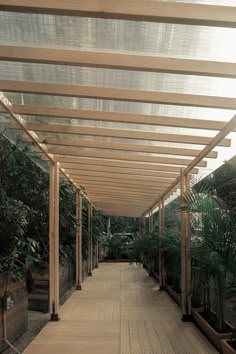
[39,298]
[17,316]
[173,294]
[226,347]
[215,337]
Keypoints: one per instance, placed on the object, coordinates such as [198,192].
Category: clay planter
[17,316]
[173,294]
[226,347]
[215,337]
[39,298]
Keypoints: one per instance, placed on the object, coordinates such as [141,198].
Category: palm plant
[213,249]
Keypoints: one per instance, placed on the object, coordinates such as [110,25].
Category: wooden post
[108,225]
[140,226]
[185,254]
[54,241]
[96,252]
[160,252]
[90,242]
[79,258]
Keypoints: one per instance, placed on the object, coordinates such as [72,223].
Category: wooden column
[140,225]
[54,241]
[161,253]
[79,257]
[90,242]
[96,251]
[185,254]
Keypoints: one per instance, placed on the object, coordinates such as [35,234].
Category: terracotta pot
[226,347]
[215,337]
[173,294]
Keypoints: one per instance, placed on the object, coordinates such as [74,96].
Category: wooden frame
[109,93]
[54,241]
[90,240]
[118,61]
[151,10]
[79,264]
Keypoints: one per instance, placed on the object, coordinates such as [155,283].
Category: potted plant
[213,259]
[229,345]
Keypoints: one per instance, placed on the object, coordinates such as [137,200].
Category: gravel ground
[37,321]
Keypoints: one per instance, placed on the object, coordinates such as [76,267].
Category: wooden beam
[79,256]
[150,10]
[75,162]
[107,186]
[83,179]
[121,156]
[111,145]
[119,117]
[117,61]
[120,133]
[229,127]
[125,177]
[114,170]
[21,124]
[109,93]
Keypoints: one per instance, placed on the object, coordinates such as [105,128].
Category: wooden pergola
[127,161]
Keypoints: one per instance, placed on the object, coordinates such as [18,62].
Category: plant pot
[39,298]
[173,294]
[17,316]
[214,336]
[226,347]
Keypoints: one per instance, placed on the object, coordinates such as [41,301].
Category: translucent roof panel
[121,106]
[118,79]
[117,35]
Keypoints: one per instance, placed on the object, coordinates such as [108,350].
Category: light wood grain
[120,311]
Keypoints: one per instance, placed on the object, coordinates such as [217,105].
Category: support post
[185,254]
[140,226]
[90,242]
[96,252]
[54,241]
[161,215]
[79,267]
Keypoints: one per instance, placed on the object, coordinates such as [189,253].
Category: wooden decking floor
[120,311]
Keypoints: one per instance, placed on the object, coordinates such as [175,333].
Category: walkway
[120,310]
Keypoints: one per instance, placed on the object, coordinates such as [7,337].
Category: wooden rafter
[119,117]
[117,61]
[73,153]
[109,93]
[229,127]
[120,133]
[78,162]
[150,10]
[111,145]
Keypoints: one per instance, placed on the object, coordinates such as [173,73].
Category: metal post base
[96,266]
[90,274]
[187,318]
[54,317]
[78,287]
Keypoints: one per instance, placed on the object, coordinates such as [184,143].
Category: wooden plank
[82,180]
[151,10]
[113,170]
[111,145]
[109,93]
[118,61]
[120,117]
[124,176]
[74,153]
[120,133]
[75,162]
